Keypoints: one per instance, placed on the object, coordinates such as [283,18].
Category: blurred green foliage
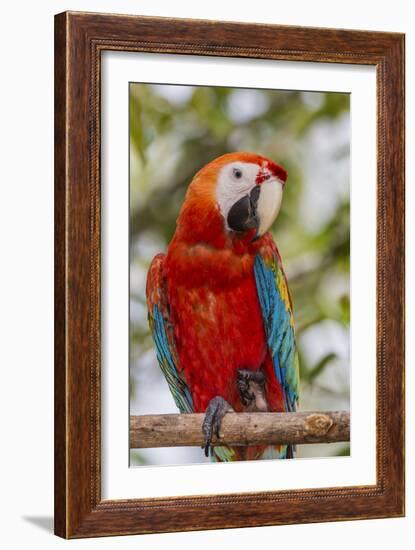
[175,130]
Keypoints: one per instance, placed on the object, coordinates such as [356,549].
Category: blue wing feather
[279,326]
[177,385]
[162,332]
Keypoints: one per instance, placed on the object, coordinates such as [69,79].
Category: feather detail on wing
[162,332]
[277,311]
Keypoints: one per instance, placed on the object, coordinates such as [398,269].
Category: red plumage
[215,310]
[217,319]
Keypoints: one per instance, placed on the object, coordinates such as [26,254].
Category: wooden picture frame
[79,40]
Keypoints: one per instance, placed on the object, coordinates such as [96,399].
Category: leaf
[136,126]
[307,323]
[344,303]
[321,365]
[344,451]
[137,459]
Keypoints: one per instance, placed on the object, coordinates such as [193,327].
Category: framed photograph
[229,275]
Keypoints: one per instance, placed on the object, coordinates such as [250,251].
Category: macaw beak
[258,210]
[242,216]
[269,204]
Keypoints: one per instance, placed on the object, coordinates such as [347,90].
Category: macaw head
[249,192]
[244,189]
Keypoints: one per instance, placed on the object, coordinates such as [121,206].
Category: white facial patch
[231,188]
[269,204]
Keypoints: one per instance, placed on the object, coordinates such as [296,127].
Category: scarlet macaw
[219,306]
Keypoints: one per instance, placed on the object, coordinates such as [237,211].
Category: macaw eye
[237,173]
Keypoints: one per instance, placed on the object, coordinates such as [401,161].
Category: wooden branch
[185,430]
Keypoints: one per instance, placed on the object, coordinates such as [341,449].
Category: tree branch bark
[185,430]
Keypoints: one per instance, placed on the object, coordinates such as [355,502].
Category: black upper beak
[243,214]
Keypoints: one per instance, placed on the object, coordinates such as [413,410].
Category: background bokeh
[174,131]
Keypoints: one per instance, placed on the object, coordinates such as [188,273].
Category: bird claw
[251,386]
[212,422]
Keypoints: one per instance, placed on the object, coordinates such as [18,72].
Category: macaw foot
[215,412]
[251,386]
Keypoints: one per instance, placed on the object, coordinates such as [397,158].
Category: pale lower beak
[269,204]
